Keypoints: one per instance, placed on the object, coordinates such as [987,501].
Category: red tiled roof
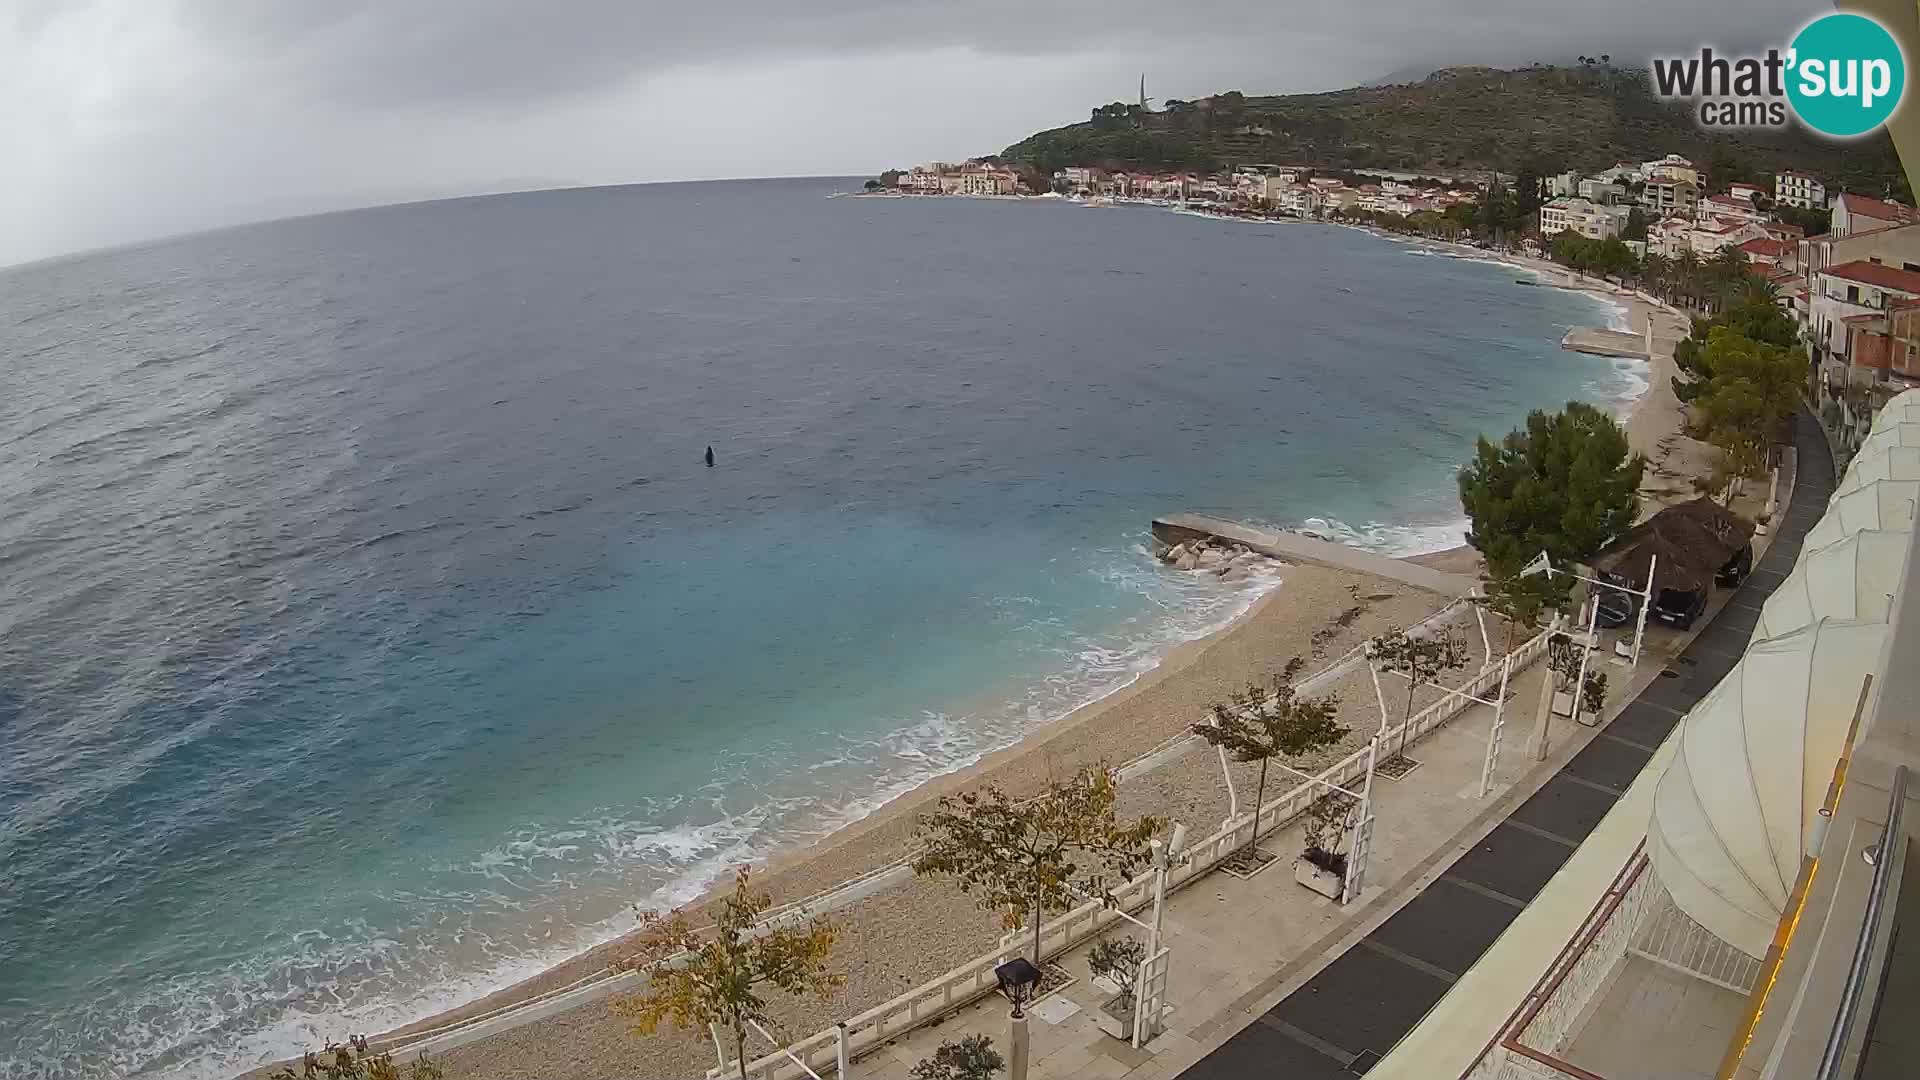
[1878,209]
[1765,245]
[1873,273]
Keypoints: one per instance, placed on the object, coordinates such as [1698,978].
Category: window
[1853,294]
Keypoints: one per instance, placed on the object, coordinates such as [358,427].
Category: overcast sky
[126,119]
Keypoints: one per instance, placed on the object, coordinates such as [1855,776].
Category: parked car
[1737,568]
[1678,609]
[1616,609]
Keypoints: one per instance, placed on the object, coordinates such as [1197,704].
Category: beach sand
[911,932]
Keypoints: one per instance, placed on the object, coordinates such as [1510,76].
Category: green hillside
[1457,120]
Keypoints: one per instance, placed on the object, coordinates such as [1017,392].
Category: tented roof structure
[1854,578]
[1691,542]
[1882,504]
[1891,463]
[1732,813]
[1891,435]
[1898,412]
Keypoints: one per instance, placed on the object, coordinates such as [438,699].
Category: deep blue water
[372,632]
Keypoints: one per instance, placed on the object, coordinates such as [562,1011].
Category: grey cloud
[130,118]
[424,52]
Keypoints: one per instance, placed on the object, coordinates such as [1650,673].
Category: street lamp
[1018,980]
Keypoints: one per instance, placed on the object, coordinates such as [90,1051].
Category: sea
[373,632]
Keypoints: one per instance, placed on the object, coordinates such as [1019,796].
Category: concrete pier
[1300,548]
[1599,342]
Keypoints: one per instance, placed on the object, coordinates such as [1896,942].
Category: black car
[1616,609]
[1737,568]
[1678,609]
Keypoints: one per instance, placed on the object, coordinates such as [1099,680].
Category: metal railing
[974,979]
[1858,973]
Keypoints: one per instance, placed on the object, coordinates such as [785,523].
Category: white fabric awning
[1899,434]
[1898,411]
[1732,813]
[1881,504]
[1853,578]
[1890,463]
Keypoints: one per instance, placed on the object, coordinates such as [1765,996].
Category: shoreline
[1309,594]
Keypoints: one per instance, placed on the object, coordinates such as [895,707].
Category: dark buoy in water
[709,457]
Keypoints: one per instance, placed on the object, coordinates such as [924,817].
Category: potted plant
[1322,866]
[1563,660]
[969,1058]
[1117,961]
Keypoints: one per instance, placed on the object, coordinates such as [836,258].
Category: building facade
[1795,188]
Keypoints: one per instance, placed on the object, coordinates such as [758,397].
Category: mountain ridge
[1459,120]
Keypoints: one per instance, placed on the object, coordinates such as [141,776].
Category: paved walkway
[1340,1022]
[1301,548]
[1237,941]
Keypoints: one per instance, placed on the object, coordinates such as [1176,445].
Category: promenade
[1269,979]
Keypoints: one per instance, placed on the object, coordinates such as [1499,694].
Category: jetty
[1289,546]
[1602,342]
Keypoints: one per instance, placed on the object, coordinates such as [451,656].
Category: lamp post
[1018,979]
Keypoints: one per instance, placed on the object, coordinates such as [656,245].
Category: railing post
[843,1061]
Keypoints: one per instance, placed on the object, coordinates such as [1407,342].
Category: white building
[1609,192]
[1728,207]
[1795,188]
[1583,216]
[1853,214]
[1845,290]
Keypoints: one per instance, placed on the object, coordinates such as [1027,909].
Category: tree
[715,976]
[1750,388]
[1565,484]
[970,1058]
[1020,857]
[1118,960]
[1636,226]
[1258,726]
[873,185]
[1421,660]
[1518,599]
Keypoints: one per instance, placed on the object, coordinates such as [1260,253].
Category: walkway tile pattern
[1348,1016]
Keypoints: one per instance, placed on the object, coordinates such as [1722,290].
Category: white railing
[974,979]
[1668,937]
[1528,1045]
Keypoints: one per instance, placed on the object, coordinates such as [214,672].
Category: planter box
[1325,882]
[1562,703]
[1119,1026]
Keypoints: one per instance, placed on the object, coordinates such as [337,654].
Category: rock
[1186,561]
[1174,553]
[1232,573]
[1212,557]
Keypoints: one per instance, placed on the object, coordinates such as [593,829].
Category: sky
[122,120]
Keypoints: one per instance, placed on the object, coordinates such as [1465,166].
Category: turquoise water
[375,634]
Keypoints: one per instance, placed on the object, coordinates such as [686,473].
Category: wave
[1389,539]
[498,925]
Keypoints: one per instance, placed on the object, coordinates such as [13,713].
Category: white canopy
[1890,463]
[1897,434]
[1898,411]
[1881,504]
[1905,399]
[1732,813]
[1853,578]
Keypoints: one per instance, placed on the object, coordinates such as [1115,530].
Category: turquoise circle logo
[1848,75]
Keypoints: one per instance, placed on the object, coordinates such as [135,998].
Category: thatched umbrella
[1692,541]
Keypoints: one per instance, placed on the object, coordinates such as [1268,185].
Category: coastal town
[1844,264]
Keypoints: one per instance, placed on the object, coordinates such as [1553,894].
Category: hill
[1457,120]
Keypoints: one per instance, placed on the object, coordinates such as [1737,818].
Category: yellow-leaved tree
[714,976]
